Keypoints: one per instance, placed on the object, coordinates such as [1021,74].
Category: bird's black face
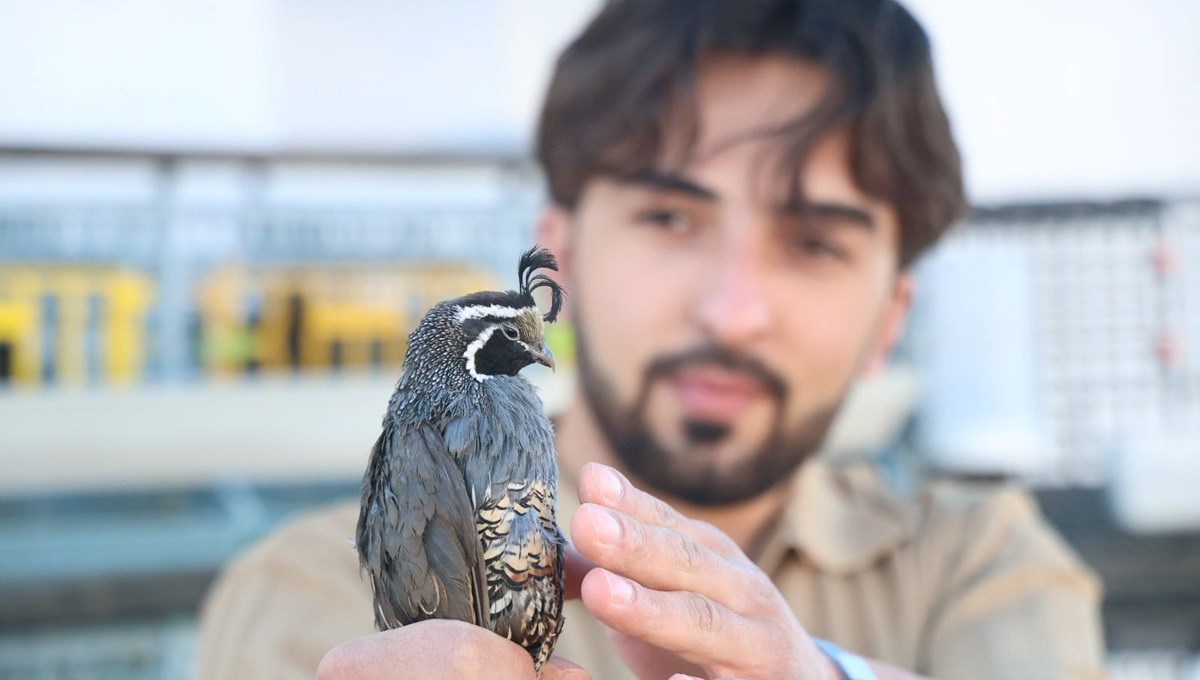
[504,331]
[504,341]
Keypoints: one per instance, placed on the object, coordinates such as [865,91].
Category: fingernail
[621,589]
[610,485]
[608,530]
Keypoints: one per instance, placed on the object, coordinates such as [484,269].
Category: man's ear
[891,324]
[553,232]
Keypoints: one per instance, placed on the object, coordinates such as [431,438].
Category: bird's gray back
[416,538]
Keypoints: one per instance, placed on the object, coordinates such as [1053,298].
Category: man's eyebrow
[840,212]
[665,181]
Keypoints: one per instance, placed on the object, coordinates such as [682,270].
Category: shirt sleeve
[275,611]
[1016,603]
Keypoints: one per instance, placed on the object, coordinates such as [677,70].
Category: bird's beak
[543,356]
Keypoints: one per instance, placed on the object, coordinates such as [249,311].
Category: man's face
[720,326]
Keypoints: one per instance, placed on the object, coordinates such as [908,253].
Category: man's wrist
[849,666]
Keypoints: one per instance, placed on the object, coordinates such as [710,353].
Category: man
[738,189]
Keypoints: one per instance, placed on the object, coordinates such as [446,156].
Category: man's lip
[716,393]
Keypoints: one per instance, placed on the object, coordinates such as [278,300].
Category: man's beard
[686,475]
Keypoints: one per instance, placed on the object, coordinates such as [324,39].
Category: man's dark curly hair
[624,91]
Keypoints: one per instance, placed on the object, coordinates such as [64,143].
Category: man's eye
[817,247]
[666,220]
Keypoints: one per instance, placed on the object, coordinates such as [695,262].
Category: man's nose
[733,306]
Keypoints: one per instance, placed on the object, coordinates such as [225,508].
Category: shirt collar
[841,518]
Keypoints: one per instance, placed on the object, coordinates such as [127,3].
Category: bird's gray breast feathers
[458,518]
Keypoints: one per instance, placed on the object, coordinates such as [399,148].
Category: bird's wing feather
[416,533]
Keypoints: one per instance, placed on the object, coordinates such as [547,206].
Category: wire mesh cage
[1109,327]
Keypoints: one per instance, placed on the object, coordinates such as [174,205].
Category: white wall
[136,73]
[1051,98]
[1071,97]
[406,76]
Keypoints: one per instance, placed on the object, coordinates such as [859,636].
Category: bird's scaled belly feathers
[522,552]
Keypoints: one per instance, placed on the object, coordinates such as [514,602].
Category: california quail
[458,500]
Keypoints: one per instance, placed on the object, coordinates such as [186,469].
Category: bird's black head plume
[531,260]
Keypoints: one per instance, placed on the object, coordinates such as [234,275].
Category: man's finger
[605,486]
[690,625]
[429,650]
[654,556]
[577,566]
[561,669]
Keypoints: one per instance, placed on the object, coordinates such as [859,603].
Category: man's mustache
[723,357]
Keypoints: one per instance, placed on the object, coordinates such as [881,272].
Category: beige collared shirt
[965,582]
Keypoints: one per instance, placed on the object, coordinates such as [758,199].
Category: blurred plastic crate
[153,650]
[1163,664]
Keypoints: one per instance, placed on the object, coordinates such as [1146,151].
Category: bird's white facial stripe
[472,348]
[499,311]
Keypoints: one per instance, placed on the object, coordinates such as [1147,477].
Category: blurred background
[220,218]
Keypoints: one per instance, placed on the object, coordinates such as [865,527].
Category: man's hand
[437,649]
[677,590]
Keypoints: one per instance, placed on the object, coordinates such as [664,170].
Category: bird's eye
[510,332]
